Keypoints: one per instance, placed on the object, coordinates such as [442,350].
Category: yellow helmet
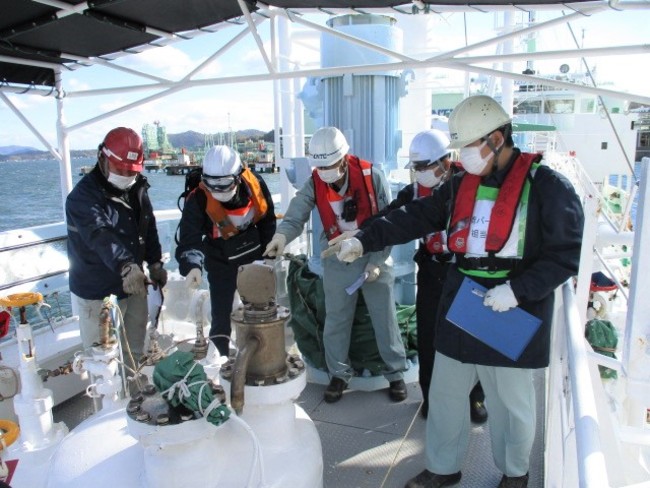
[474,118]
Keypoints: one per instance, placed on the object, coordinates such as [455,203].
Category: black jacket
[554,225]
[196,244]
[105,232]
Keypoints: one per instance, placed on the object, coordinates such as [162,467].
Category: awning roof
[36,36]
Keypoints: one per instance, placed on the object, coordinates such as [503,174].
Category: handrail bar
[592,472]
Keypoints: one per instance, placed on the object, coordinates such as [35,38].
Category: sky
[250,106]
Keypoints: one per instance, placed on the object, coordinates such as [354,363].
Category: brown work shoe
[514,481]
[334,390]
[397,390]
[427,479]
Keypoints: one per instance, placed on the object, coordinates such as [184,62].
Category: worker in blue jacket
[515,227]
[111,235]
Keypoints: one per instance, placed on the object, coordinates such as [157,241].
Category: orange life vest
[503,213]
[360,188]
[220,216]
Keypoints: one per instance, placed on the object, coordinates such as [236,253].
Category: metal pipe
[240,368]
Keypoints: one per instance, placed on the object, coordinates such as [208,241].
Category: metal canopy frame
[280,14]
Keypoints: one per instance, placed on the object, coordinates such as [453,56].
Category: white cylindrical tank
[273,444]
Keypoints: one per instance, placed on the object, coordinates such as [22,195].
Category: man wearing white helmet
[429,158]
[347,191]
[111,234]
[515,226]
[227,221]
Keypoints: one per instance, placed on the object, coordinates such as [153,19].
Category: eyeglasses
[220,183]
[427,165]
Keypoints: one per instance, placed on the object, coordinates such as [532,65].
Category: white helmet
[427,147]
[474,118]
[221,168]
[327,146]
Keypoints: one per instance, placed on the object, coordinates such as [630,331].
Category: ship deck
[370,442]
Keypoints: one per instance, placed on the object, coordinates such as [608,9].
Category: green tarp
[307,303]
[182,381]
[601,334]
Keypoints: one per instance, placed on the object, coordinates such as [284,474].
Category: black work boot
[477,412]
[334,390]
[427,479]
[514,481]
[397,390]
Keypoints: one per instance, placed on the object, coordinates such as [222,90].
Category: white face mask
[471,159]
[121,182]
[428,178]
[225,196]
[330,175]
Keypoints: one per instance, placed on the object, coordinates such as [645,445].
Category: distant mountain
[194,140]
[12,150]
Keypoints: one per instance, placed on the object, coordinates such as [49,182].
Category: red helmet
[123,147]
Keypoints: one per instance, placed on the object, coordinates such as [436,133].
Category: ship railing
[573,433]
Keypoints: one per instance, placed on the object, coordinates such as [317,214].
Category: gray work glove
[133,280]
[158,274]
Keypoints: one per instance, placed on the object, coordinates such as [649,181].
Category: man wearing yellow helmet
[515,227]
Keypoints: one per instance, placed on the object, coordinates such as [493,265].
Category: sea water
[32,191]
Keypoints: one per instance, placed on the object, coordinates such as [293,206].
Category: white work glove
[373,272]
[133,280]
[501,298]
[193,278]
[351,250]
[158,274]
[335,244]
[275,248]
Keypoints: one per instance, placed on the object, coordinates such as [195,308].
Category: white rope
[181,385]
[258,460]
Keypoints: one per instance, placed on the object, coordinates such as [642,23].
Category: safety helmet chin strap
[496,151]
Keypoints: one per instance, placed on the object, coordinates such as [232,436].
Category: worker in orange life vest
[515,227]
[432,166]
[227,221]
[347,191]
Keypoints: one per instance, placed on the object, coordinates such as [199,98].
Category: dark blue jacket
[196,247]
[554,225]
[105,233]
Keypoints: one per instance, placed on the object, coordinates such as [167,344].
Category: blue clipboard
[507,332]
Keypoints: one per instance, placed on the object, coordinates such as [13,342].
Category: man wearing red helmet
[111,233]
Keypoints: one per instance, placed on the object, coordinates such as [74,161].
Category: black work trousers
[430,278]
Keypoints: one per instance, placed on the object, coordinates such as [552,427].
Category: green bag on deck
[601,334]
[307,303]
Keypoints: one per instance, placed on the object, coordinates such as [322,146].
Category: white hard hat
[474,118]
[221,169]
[327,146]
[427,147]
[221,161]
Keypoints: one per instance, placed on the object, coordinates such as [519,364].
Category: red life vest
[435,242]
[502,216]
[223,226]
[360,188]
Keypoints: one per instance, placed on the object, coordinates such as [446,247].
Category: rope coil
[21,299]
